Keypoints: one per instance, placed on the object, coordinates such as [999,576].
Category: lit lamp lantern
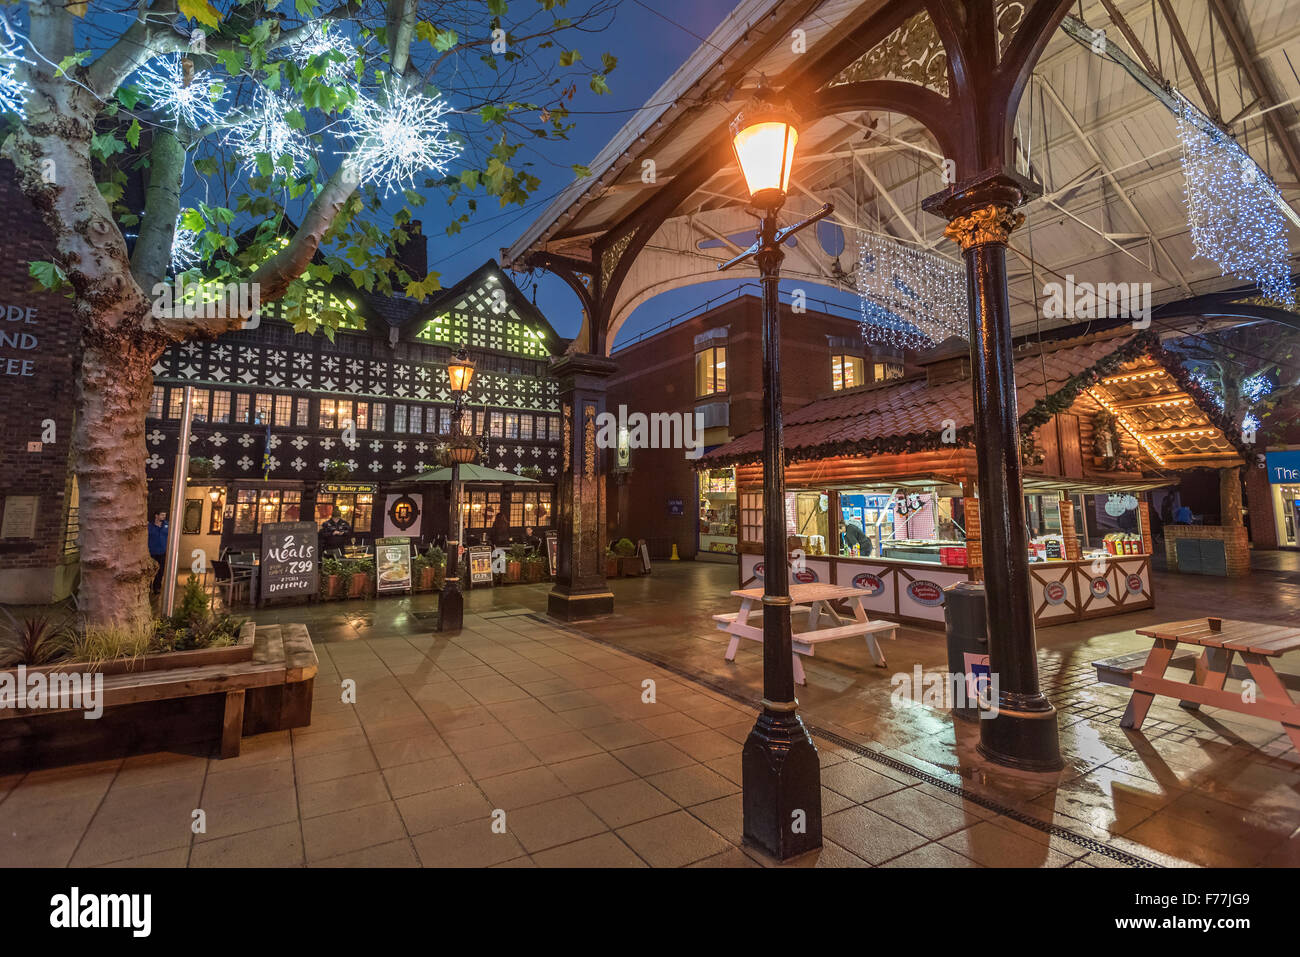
[215,495]
[763,138]
[460,373]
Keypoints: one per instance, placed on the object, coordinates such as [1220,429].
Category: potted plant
[438,563]
[421,573]
[531,471]
[535,567]
[201,468]
[629,562]
[337,470]
[331,578]
[360,577]
[611,563]
[515,556]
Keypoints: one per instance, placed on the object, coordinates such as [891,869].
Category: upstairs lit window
[711,371]
[847,372]
[886,370]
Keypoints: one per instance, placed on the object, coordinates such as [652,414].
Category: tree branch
[162,203]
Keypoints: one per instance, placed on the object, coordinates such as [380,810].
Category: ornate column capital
[981,210]
[987,224]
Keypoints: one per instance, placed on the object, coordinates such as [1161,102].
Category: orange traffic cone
[675,557]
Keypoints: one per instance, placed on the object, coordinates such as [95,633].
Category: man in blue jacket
[158,547]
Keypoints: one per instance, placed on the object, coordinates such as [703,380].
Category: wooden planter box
[171,701]
[630,566]
[612,569]
[535,571]
[514,571]
[439,577]
[333,587]
[359,586]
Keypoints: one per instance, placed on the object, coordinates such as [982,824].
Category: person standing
[500,536]
[158,530]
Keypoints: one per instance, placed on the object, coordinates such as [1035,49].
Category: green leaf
[294,120]
[133,134]
[200,10]
[497,7]
[192,220]
[581,171]
[110,191]
[47,274]
[608,61]
[232,60]
[104,145]
[72,59]
[598,84]
[570,57]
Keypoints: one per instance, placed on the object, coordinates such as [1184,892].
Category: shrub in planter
[611,564]
[360,576]
[201,467]
[535,567]
[438,562]
[629,563]
[515,557]
[336,470]
[39,640]
[331,578]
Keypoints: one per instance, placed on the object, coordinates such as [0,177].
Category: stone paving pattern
[548,724]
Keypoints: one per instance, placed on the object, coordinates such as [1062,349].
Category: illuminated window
[241,407]
[303,416]
[555,427]
[261,409]
[362,417]
[882,371]
[526,427]
[176,404]
[416,420]
[221,407]
[497,425]
[156,402]
[751,517]
[377,416]
[512,425]
[711,371]
[847,372]
[399,418]
[478,422]
[283,411]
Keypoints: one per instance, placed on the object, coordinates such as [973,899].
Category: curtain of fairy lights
[1232,208]
[911,298]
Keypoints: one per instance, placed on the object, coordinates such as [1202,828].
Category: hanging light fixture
[460,373]
[911,297]
[763,138]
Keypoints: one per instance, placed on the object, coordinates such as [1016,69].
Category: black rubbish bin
[968,645]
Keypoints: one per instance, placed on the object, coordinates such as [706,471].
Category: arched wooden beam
[930,109]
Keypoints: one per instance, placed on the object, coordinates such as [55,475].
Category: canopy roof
[468,473]
[1174,421]
[1102,145]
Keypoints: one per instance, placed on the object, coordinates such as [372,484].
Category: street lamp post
[461,449]
[780,771]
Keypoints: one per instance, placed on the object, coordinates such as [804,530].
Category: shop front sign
[1055,593]
[1134,584]
[873,585]
[1283,467]
[925,593]
[1099,587]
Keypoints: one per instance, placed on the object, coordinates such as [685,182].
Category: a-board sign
[644,551]
[553,551]
[393,564]
[290,560]
[480,564]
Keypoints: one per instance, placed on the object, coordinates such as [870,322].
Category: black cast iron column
[451,603]
[1023,734]
[780,771]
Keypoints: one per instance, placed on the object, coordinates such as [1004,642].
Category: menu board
[480,564]
[290,560]
[393,564]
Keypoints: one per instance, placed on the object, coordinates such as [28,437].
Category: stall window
[847,372]
[751,516]
[711,371]
[221,407]
[886,370]
[156,403]
[496,424]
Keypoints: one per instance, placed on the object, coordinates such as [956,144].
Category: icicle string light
[1232,208]
[175,88]
[397,139]
[185,247]
[13,91]
[265,130]
[322,39]
[911,298]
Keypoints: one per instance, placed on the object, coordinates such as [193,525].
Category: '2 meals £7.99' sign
[289,559]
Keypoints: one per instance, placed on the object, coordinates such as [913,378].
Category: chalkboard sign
[290,560]
[480,564]
[393,564]
[553,551]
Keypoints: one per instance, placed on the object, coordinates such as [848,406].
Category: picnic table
[816,600]
[1220,639]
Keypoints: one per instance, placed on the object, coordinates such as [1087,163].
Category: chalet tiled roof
[911,415]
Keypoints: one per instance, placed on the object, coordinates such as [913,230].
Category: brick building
[712,364]
[39,352]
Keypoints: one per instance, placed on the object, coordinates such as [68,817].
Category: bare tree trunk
[113,395]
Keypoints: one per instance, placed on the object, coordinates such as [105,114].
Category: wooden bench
[267,680]
[1220,639]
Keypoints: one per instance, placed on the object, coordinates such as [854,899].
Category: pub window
[156,403]
[512,425]
[495,424]
[214,518]
[517,502]
[345,414]
[199,406]
[751,516]
[444,421]
[416,421]
[478,422]
[483,507]
[544,515]
[241,407]
[329,412]
[466,421]
[847,372]
[555,428]
[246,511]
[399,418]
[886,370]
[525,427]
[221,407]
[261,409]
[431,420]
[377,416]
[711,371]
[530,509]
[303,414]
[362,419]
[176,403]
[355,509]
[283,411]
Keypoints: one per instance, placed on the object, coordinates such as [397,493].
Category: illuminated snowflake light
[395,140]
[265,130]
[321,39]
[188,102]
[185,247]
[13,91]
[1232,208]
[911,297]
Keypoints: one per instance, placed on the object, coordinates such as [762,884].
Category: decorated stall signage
[925,593]
[1055,593]
[804,576]
[290,560]
[480,564]
[759,569]
[1099,587]
[393,564]
[348,488]
[873,585]
[1134,584]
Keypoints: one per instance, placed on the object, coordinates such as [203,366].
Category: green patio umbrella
[468,473]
